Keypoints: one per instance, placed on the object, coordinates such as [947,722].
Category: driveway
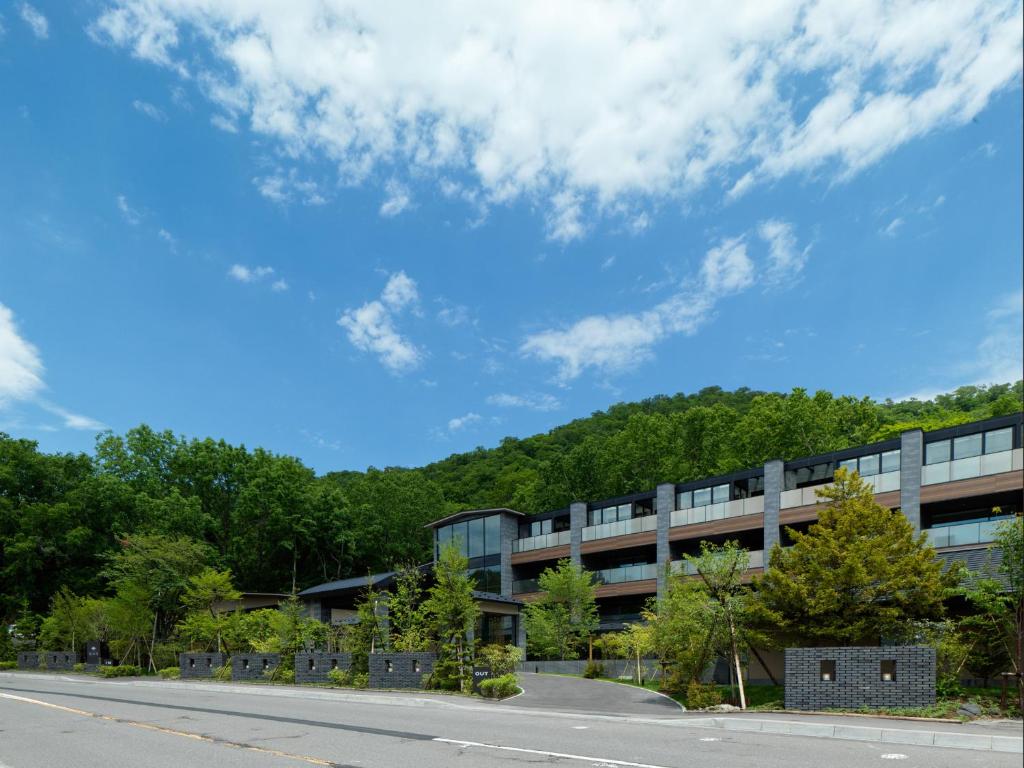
[577,694]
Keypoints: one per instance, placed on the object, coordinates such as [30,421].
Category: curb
[949,740]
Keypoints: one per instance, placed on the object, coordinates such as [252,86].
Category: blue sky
[368,239]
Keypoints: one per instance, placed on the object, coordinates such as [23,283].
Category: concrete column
[509,533]
[774,478]
[666,503]
[911,459]
[577,522]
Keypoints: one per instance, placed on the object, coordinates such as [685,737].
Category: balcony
[620,528]
[525,585]
[545,540]
[805,497]
[627,573]
[736,508]
[972,466]
[685,566]
[981,532]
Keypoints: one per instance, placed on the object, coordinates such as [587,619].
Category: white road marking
[580,727]
[710,738]
[893,756]
[564,755]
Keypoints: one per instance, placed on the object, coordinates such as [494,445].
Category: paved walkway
[576,694]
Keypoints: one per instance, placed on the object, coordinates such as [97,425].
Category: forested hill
[275,524]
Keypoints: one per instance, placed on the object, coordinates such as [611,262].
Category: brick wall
[28,660]
[400,670]
[858,677]
[199,665]
[59,659]
[254,666]
[322,664]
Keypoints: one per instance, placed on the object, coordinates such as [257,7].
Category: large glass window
[720,493]
[998,440]
[444,535]
[492,534]
[850,465]
[936,453]
[684,500]
[966,446]
[476,538]
[701,497]
[869,465]
[890,461]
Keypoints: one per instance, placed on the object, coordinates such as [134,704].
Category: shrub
[340,677]
[675,680]
[125,670]
[701,696]
[502,659]
[223,674]
[425,681]
[8,664]
[948,686]
[170,673]
[499,687]
[78,667]
[361,680]
[282,675]
[593,669]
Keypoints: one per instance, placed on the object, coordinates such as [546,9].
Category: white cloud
[130,215]
[21,375]
[1000,358]
[279,285]
[613,343]
[371,327]
[576,111]
[168,238]
[892,228]
[397,200]
[284,187]
[36,21]
[151,111]
[21,367]
[454,315]
[225,124]
[785,259]
[532,401]
[461,422]
[244,274]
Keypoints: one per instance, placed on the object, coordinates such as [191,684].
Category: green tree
[408,625]
[204,594]
[565,616]
[859,574]
[453,613]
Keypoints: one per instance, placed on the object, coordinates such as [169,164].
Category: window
[999,440]
[869,465]
[245,663]
[936,453]
[891,461]
[720,494]
[388,666]
[460,536]
[492,534]
[702,497]
[476,538]
[444,535]
[967,446]
[887,670]
[827,670]
[312,664]
[850,465]
[415,665]
[684,500]
[807,476]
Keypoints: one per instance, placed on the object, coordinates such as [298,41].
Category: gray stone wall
[509,533]
[911,459]
[666,503]
[199,665]
[59,659]
[577,522]
[858,677]
[254,666]
[316,666]
[774,478]
[28,660]
[400,670]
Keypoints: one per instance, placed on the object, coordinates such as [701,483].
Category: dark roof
[346,585]
[495,598]
[473,513]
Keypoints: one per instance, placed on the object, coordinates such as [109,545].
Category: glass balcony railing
[981,532]
[972,466]
[804,497]
[627,573]
[620,528]
[525,585]
[685,566]
[545,540]
[736,508]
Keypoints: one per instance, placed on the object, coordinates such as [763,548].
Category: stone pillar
[774,478]
[382,613]
[577,522]
[911,460]
[666,503]
[509,533]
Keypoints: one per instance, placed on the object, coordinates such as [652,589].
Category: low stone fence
[400,670]
[28,660]
[848,678]
[254,666]
[316,666]
[200,665]
[612,667]
[60,659]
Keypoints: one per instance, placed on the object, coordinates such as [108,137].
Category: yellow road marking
[170,731]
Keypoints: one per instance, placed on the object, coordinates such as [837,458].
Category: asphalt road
[83,722]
